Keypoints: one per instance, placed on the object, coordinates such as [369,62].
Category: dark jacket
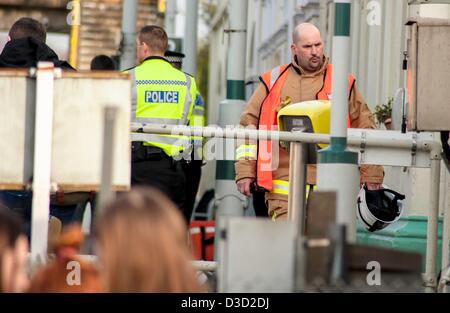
[26,52]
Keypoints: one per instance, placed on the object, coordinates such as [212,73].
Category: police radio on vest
[161,96]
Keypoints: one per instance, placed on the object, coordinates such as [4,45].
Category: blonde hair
[142,241]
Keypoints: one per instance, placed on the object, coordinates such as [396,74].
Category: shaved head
[304,29]
[307,47]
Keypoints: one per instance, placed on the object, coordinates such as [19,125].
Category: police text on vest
[161,96]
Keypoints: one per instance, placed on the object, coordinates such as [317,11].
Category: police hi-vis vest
[162,95]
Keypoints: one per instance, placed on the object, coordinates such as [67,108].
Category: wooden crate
[16,128]
[79,101]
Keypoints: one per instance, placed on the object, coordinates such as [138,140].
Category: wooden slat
[88,188]
[358,256]
[95,74]
[321,213]
[36,3]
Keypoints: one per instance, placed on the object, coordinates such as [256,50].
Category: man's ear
[8,39]
[293,50]
[146,48]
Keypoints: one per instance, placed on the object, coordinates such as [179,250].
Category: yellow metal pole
[74,21]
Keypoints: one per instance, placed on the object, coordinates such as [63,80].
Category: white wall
[377,44]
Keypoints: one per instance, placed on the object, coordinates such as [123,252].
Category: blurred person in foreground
[65,273]
[9,233]
[142,245]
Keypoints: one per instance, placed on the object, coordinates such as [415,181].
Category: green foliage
[384,111]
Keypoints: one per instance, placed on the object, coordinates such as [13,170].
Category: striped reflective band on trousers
[281,187]
[160,121]
[246,151]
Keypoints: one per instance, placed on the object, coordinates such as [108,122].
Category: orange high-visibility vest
[274,81]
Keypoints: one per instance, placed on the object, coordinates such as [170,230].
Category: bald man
[307,77]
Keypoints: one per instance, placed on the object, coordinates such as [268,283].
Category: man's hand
[244,184]
[373,186]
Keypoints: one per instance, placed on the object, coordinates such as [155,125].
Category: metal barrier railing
[408,150]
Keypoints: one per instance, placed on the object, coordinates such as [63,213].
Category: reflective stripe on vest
[268,116]
[326,92]
[267,121]
[273,76]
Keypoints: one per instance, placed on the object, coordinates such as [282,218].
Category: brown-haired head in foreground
[67,273]
[142,242]
[28,27]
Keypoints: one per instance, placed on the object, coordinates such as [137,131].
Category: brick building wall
[99,30]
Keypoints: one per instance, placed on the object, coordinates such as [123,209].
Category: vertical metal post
[170,17]
[338,167]
[446,231]
[42,161]
[432,228]
[338,271]
[230,200]
[106,192]
[297,186]
[129,18]
[190,35]
[296,207]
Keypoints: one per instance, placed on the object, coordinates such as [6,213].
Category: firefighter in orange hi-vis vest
[307,77]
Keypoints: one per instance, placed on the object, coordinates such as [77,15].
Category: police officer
[192,168]
[161,95]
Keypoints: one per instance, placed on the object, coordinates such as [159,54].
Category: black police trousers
[152,167]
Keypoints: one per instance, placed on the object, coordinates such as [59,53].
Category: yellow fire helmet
[313,116]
